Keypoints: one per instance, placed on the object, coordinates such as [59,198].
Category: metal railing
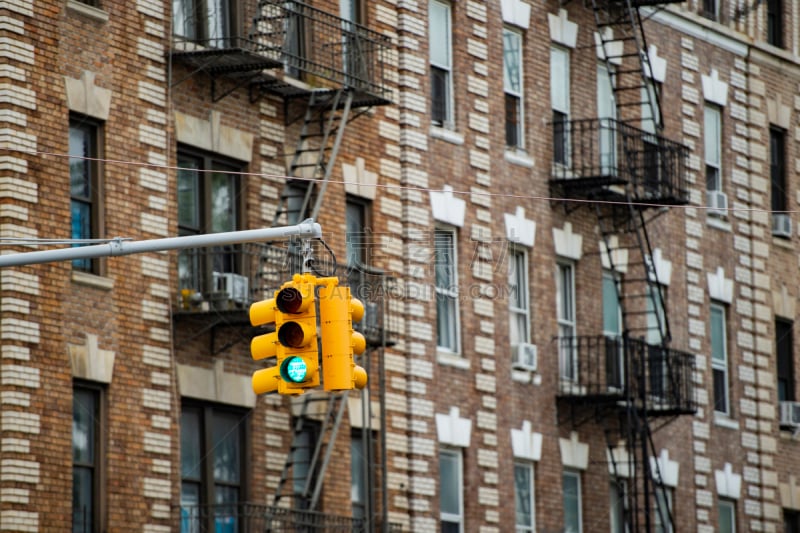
[251,518]
[656,378]
[311,44]
[232,277]
[611,152]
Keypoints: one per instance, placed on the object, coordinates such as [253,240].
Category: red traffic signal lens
[291,335]
[289,300]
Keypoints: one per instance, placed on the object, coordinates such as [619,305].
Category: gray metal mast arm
[306,229]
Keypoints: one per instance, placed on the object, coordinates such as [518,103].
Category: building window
[208,22]
[213,455]
[781,222]
[565,296]
[784,349]
[518,301]
[209,202]
[710,9]
[356,242]
[513,87]
[712,141]
[559,101]
[524,497]
[656,353]
[451,502]
[573,521]
[719,358]
[775,22]
[607,113]
[791,521]
[618,502]
[662,510]
[358,476]
[85,186]
[441,57]
[447,325]
[612,329]
[727,516]
[87,459]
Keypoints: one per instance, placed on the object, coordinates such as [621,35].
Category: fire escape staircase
[623,228]
[308,459]
[326,116]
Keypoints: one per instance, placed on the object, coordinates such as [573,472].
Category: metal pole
[118,246]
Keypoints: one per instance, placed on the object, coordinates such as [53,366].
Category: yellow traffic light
[263,346]
[337,311]
[296,323]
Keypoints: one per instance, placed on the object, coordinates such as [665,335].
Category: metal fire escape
[628,173]
[328,71]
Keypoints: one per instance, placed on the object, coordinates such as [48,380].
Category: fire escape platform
[636,3]
[608,160]
[228,60]
[626,373]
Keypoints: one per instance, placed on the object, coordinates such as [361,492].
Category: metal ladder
[326,116]
[310,451]
[630,83]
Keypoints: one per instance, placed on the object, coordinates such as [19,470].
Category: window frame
[515,130]
[669,497]
[567,320]
[444,68]
[199,26]
[712,142]
[518,257]
[576,476]
[618,508]
[728,506]
[720,366]
[775,19]
[528,467]
[784,355]
[95,131]
[206,482]
[779,197]
[98,464]
[446,517]
[199,265]
[562,152]
[448,293]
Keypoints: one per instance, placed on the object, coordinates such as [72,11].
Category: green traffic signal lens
[289,300]
[291,335]
[294,369]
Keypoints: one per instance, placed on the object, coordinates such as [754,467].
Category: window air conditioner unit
[235,285]
[781,225]
[790,414]
[717,202]
[525,357]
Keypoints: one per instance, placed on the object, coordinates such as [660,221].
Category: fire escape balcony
[605,159]
[623,372]
[283,47]
[256,517]
[217,286]
[635,3]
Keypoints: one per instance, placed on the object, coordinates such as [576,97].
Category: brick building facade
[578,263]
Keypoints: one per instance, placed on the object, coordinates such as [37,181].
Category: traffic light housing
[338,310]
[294,341]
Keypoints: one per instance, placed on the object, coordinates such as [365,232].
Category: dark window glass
[204,21]
[212,468]
[784,348]
[560,138]
[777,157]
[439,95]
[791,521]
[84,183]
[710,9]
[775,22]
[86,459]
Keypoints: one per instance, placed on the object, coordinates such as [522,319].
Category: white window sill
[451,359]
[723,420]
[718,222]
[525,376]
[92,280]
[519,157]
[448,135]
[783,242]
[89,11]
